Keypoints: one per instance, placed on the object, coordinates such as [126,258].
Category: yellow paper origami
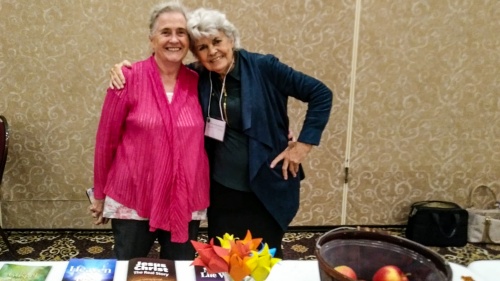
[238,257]
[260,263]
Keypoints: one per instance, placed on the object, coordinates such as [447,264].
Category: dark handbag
[437,223]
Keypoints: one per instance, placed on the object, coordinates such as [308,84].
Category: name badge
[215,129]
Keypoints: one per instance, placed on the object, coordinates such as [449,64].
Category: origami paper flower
[239,258]
[210,257]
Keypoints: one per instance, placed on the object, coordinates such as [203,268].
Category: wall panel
[426,116]
[424,96]
[54,66]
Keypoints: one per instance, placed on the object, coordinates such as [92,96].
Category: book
[13,272]
[202,274]
[90,195]
[151,269]
[90,270]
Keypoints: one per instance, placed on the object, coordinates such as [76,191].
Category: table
[285,270]
[486,270]
[296,270]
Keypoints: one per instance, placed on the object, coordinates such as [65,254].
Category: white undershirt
[170,95]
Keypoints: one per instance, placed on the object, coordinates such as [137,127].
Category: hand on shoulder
[117,79]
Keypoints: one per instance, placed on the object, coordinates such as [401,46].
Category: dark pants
[234,212]
[133,240]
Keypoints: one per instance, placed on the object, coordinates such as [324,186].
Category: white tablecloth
[285,270]
[487,270]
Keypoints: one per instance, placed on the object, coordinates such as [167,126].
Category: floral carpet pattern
[298,245]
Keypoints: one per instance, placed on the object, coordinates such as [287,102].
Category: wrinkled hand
[292,156]
[96,209]
[117,80]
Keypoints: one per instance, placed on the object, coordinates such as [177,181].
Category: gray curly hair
[204,22]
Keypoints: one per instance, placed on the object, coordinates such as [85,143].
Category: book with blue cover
[13,272]
[90,270]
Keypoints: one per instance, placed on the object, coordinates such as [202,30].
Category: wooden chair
[4,144]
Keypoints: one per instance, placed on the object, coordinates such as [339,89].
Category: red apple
[389,273]
[347,271]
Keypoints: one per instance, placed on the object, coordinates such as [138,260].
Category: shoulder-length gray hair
[204,22]
[172,6]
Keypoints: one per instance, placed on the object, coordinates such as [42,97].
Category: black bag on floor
[437,223]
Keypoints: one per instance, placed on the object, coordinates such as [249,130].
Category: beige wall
[416,112]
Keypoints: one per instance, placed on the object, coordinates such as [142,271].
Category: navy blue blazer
[266,84]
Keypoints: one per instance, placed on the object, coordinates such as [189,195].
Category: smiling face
[215,52]
[169,39]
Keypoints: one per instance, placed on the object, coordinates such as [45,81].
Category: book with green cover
[14,272]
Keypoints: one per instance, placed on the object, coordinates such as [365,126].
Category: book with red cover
[151,269]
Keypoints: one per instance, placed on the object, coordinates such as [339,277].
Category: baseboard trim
[310,228]
[325,228]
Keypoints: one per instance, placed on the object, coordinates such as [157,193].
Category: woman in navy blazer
[255,175]
[254,168]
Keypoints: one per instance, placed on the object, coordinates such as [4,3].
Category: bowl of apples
[353,254]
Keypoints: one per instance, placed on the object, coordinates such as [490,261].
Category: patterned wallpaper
[416,111]
[427,106]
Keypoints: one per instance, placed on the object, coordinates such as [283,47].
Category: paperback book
[151,269]
[202,274]
[90,270]
[14,272]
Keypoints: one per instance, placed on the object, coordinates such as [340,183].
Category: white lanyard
[214,128]
[220,98]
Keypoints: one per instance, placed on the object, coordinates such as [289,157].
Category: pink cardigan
[149,154]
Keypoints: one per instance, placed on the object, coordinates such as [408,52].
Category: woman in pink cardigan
[151,169]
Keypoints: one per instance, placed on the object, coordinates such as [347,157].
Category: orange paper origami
[239,258]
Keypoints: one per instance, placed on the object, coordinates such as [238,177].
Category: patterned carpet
[298,245]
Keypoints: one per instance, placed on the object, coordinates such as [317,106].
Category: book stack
[139,269]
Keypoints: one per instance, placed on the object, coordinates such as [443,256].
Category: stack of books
[150,269]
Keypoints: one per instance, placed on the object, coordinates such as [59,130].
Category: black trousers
[234,212]
[133,240]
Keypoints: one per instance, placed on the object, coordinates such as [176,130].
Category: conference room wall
[415,115]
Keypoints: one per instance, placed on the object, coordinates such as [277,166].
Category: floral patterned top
[115,210]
